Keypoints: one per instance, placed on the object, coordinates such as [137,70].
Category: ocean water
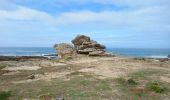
[40,51]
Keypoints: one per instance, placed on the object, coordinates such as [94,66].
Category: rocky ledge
[82,45]
[18,58]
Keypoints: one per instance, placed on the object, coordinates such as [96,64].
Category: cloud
[149,18]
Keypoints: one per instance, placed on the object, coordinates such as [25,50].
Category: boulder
[80,39]
[65,50]
[84,45]
[168,56]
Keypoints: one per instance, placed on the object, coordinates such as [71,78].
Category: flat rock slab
[22,68]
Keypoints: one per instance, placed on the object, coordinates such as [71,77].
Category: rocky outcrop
[168,56]
[19,58]
[84,45]
[65,50]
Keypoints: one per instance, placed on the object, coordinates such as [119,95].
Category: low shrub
[4,95]
[131,82]
[155,86]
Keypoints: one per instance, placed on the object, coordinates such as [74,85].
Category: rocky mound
[82,45]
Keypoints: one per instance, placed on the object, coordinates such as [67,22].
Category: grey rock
[168,56]
[60,98]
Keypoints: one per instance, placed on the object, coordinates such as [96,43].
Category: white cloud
[23,13]
[139,19]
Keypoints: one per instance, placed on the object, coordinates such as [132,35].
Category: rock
[168,56]
[86,51]
[65,50]
[163,59]
[80,39]
[18,58]
[96,53]
[60,98]
[84,45]
[31,77]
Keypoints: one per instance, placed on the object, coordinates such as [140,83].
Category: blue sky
[115,23]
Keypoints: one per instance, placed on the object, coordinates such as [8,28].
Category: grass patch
[147,74]
[77,88]
[5,95]
[2,66]
[157,87]
[103,85]
[131,82]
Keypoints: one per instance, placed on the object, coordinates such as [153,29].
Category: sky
[114,23]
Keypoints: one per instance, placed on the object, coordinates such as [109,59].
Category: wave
[156,56]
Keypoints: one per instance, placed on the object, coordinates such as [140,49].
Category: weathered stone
[60,98]
[100,53]
[96,53]
[99,46]
[168,56]
[82,45]
[86,43]
[31,77]
[86,51]
[65,50]
[80,39]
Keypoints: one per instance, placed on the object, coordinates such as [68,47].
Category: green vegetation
[155,86]
[126,82]
[131,82]
[4,95]
[2,66]
[45,97]
[140,85]
[147,74]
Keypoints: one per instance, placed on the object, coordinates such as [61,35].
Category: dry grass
[89,79]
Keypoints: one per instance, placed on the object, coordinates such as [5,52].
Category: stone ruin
[82,45]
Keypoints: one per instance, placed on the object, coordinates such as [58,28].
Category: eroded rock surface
[65,50]
[84,45]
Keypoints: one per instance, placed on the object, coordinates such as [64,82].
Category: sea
[41,51]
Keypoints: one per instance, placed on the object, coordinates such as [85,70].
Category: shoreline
[52,56]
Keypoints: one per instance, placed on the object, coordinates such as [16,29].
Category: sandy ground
[16,72]
[103,67]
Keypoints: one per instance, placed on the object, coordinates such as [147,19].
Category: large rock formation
[84,45]
[65,50]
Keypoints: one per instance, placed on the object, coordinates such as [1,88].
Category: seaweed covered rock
[65,50]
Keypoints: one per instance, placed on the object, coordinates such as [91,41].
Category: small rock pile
[82,45]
